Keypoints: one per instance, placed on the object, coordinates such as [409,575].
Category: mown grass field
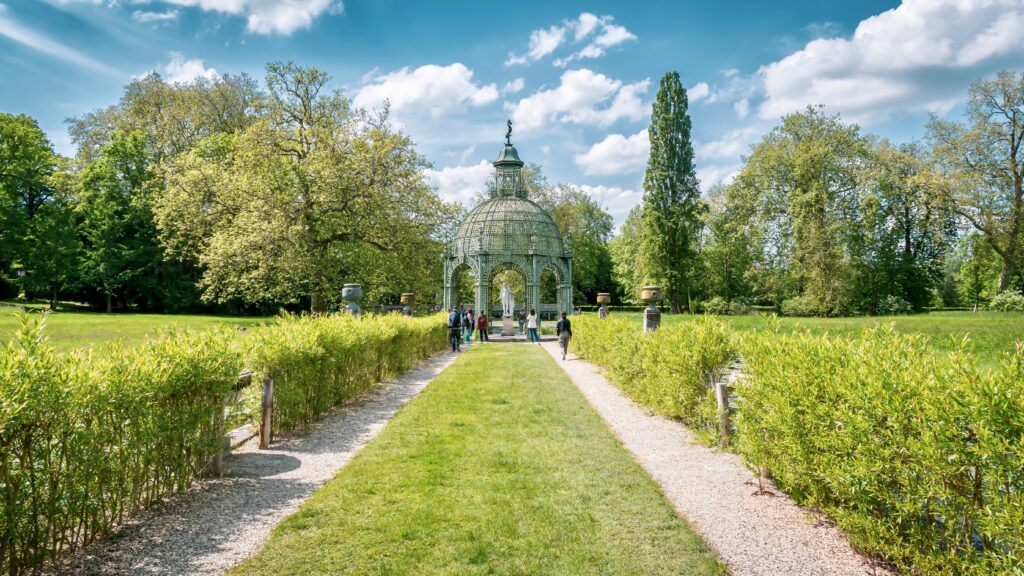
[71,330]
[499,467]
[991,334]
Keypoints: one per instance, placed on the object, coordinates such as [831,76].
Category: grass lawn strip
[67,331]
[499,467]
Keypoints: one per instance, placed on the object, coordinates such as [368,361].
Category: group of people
[462,323]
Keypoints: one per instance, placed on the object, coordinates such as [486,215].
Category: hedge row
[321,361]
[86,441]
[918,456]
[649,369]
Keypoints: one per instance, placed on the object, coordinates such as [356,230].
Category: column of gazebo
[533,287]
[568,297]
[482,286]
[446,298]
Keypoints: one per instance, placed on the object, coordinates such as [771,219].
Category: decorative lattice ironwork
[508,230]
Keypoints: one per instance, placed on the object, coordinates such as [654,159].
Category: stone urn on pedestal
[407,299]
[652,316]
[352,293]
[603,298]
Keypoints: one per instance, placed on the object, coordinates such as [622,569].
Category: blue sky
[577,78]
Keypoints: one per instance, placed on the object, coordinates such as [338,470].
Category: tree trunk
[317,304]
[110,306]
[1006,272]
[53,299]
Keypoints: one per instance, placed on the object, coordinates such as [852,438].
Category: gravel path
[222,521]
[754,535]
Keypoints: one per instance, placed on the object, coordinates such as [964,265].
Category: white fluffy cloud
[732,144]
[545,41]
[513,86]
[150,17]
[713,174]
[918,57]
[718,161]
[180,70]
[616,154]
[611,35]
[460,183]
[700,91]
[270,16]
[582,97]
[617,201]
[431,89]
[741,107]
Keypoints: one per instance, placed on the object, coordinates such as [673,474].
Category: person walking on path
[531,325]
[481,327]
[454,328]
[471,324]
[564,331]
[521,317]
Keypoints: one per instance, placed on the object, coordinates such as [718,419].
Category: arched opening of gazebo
[515,278]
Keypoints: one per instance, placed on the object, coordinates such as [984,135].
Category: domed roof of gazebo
[509,225]
[508,222]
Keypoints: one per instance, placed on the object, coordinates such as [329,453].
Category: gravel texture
[754,535]
[222,521]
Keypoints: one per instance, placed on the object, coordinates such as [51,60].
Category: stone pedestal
[507,326]
[602,312]
[652,319]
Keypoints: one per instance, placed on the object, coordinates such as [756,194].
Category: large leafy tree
[310,196]
[26,163]
[904,233]
[672,208]
[800,188]
[977,277]
[983,161]
[172,117]
[624,249]
[727,253]
[48,260]
[121,254]
[581,218]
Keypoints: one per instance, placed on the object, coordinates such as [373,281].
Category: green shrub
[893,305]
[809,306]
[319,362]
[86,441]
[1007,301]
[716,305]
[918,457]
[719,306]
[669,370]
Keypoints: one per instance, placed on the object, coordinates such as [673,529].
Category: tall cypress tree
[671,216]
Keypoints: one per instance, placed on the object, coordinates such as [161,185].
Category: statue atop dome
[508,135]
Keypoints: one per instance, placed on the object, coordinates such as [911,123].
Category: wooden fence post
[268,408]
[216,464]
[722,397]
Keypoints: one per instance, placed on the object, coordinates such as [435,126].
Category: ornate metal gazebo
[509,231]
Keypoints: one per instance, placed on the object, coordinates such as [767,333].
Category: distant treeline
[824,219]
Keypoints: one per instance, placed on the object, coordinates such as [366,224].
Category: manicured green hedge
[87,440]
[917,455]
[319,362]
[669,370]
